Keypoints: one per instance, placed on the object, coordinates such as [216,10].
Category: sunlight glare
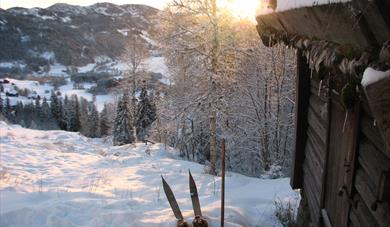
[243,9]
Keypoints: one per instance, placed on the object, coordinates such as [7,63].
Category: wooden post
[223,184]
[301,113]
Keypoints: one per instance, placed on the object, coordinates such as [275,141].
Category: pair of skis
[198,221]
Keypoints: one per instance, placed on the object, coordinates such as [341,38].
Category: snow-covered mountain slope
[69,35]
[63,39]
[56,178]
[84,45]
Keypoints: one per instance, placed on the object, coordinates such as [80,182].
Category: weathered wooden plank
[378,96]
[373,161]
[383,190]
[311,181]
[317,145]
[317,125]
[325,218]
[312,202]
[376,15]
[360,215]
[326,146]
[370,130]
[312,161]
[340,167]
[380,211]
[312,178]
[320,108]
[301,111]
[318,90]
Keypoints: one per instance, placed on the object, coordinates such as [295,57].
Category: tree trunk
[214,65]
[213,142]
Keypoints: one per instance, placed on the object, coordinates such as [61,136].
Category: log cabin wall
[372,163]
[314,164]
[344,176]
[359,205]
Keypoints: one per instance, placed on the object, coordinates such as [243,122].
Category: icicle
[374,122]
[269,41]
[311,73]
[319,88]
[345,120]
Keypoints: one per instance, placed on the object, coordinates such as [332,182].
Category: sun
[243,9]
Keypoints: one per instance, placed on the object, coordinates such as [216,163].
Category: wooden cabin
[342,152]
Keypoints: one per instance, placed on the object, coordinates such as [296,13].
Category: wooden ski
[199,221]
[173,203]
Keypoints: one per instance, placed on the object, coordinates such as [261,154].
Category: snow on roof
[283,5]
[371,76]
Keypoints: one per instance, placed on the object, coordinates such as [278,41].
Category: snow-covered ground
[57,178]
[44,90]
[69,90]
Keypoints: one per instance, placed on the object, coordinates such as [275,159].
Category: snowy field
[44,90]
[57,178]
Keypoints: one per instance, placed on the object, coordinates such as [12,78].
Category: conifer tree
[46,117]
[146,114]
[93,121]
[1,107]
[84,115]
[74,114]
[8,110]
[123,129]
[57,110]
[19,113]
[104,121]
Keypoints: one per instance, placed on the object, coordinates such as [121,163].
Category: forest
[224,84]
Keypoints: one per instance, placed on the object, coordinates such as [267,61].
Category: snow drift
[57,178]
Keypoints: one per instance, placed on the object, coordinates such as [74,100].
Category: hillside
[63,36]
[79,50]
[57,178]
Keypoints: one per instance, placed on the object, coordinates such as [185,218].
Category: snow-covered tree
[46,118]
[72,113]
[146,114]
[106,119]
[225,81]
[84,114]
[93,121]
[123,128]
[134,54]
[8,111]
[1,108]
[57,110]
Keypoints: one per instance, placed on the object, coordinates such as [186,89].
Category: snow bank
[56,178]
[371,76]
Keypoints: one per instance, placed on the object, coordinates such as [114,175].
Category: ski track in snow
[57,178]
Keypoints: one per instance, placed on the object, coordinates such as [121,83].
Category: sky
[240,8]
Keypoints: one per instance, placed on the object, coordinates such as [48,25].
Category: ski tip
[189,171]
